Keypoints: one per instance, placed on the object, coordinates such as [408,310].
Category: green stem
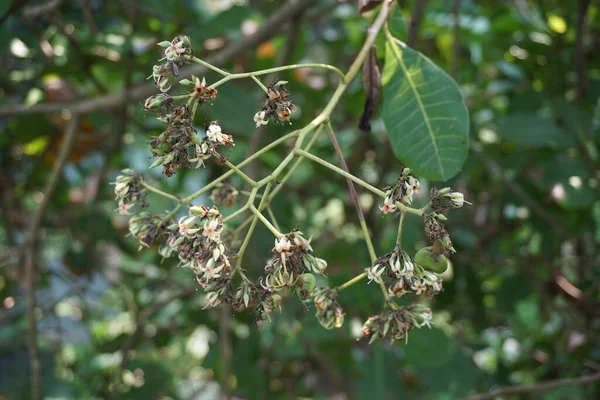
[265,221]
[400,226]
[340,171]
[252,225]
[296,164]
[159,192]
[210,66]
[172,212]
[272,216]
[239,166]
[277,69]
[351,282]
[235,214]
[259,83]
[365,231]
[235,169]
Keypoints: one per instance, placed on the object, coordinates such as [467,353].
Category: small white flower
[211,229]
[124,208]
[185,226]
[388,205]
[259,118]
[374,273]
[214,133]
[418,286]
[282,244]
[174,50]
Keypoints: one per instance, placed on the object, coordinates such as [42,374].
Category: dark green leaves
[424,113]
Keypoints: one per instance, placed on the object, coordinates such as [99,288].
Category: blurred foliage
[520,303]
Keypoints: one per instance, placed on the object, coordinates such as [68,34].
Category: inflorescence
[197,238]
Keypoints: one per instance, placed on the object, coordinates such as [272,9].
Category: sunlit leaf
[424,113]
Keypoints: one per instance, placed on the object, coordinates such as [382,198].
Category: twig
[415,20]
[538,387]
[27,253]
[351,188]
[268,29]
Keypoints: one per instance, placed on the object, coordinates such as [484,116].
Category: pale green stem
[277,69]
[239,166]
[296,164]
[159,192]
[351,282]
[400,226]
[259,83]
[246,241]
[247,193]
[340,171]
[235,214]
[172,212]
[210,66]
[235,169]
[265,221]
[272,216]
[365,231]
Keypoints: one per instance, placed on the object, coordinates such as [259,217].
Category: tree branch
[538,387]
[115,100]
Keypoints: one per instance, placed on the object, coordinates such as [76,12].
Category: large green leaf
[424,113]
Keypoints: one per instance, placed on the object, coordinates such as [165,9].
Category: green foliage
[520,299]
[424,114]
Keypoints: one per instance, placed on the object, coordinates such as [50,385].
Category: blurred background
[521,301]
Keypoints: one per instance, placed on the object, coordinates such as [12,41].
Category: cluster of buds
[202,93]
[267,302]
[444,199]
[129,190]
[207,147]
[175,54]
[174,147]
[147,228]
[293,257]
[396,323]
[404,275]
[402,191]
[276,105]
[436,231]
[329,312]
[160,104]
[196,239]
[224,194]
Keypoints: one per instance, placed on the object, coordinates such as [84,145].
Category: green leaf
[424,113]
[533,131]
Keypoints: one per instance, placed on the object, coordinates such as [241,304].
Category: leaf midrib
[398,56]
